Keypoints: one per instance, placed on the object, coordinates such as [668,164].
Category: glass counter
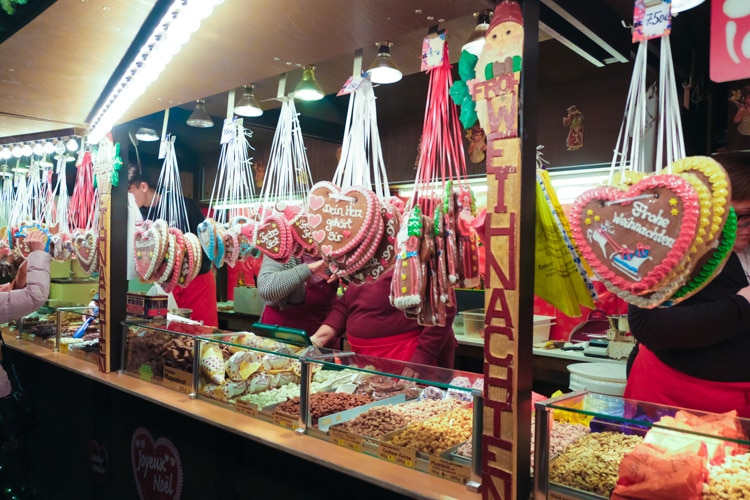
[590,445]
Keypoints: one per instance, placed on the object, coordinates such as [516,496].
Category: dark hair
[142,177]
[737,166]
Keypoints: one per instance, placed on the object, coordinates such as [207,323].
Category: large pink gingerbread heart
[340,220]
[633,239]
[85,250]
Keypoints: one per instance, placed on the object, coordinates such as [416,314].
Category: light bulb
[72,145]
[26,150]
[49,148]
[38,149]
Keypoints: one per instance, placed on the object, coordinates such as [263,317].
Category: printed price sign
[398,455]
[651,19]
[284,420]
[246,408]
[346,439]
[177,380]
[448,470]
[352,83]
[228,131]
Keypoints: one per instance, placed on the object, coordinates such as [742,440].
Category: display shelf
[586,442]
[366,468]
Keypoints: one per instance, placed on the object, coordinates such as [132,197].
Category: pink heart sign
[157,467]
[634,239]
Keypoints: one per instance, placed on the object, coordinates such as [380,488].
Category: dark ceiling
[564,23]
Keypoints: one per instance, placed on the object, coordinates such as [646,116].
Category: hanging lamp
[383,69]
[200,118]
[475,42]
[308,89]
[248,105]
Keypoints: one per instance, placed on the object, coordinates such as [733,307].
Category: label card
[398,454]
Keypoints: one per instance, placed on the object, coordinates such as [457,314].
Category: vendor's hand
[318,269]
[36,240]
[323,336]
[745,292]
[408,372]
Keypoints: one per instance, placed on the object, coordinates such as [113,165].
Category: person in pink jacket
[30,293]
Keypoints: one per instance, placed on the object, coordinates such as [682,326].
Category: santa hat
[506,11]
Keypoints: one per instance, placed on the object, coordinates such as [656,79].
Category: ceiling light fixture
[183,18]
[72,145]
[200,118]
[308,89]
[475,42]
[683,5]
[248,104]
[383,69]
[146,135]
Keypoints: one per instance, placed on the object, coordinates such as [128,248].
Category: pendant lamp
[146,135]
[248,104]
[200,118]
[475,42]
[308,89]
[683,5]
[383,69]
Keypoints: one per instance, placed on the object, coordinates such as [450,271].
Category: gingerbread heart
[244,231]
[191,240]
[166,266]
[232,247]
[188,260]
[171,282]
[85,250]
[633,239]
[149,251]
[385,254]
[23,231]
[207,237]
[273,237]
[346,217]
[302,232]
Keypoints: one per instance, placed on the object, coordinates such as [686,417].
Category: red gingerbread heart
[157,466]
[273,237]
[345,217]
[302,232]
[633,239]
[385,254]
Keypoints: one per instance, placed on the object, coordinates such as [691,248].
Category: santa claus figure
[502,51]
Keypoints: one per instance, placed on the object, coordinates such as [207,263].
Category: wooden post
[509,278]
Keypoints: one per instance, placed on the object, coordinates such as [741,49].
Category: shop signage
[398,454]
[730,40]
[177,380]
[157,467]
[449,470]
[346,439]
[246,408]
[98,461]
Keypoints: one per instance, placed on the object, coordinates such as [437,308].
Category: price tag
[284,420]
[346,439]
[432,50]
[228,131]
[448,470]
[162,149]
[146,373]
[352,83]
[64,348]
[177,380]
[398,454]
[246,408]
[651,19]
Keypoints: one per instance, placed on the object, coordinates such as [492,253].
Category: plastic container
[473,322]
[602,378]
[542,326]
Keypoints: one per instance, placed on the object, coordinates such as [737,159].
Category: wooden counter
[395,478]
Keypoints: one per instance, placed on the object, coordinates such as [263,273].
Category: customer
[375,328]
[200,294]
[18,301]
[695,354]
[299,293]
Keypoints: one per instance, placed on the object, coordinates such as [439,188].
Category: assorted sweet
[157,349]
[729,479]
[382,387]
[325,403]
[592,462]
[323,380]
[380,420]
[438,433]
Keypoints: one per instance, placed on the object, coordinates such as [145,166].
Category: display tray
[452,455]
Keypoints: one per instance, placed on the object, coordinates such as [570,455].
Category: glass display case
[414,415]
[594,446]
[162,353]
[61,328]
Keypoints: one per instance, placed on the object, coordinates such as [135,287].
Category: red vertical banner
[730,40]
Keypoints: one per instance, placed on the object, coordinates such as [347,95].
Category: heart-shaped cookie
[273,237]
[207,237]
[149,251]
[166,266]
[23,231]
[385,254]
[85,250]
[244,232]
[173,279]
[346,217]
[231,247]
[191,241]
[302,232]
[633,239]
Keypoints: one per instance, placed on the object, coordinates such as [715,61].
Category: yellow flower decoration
[587,221]
[673,201]
[589,212]
[675,212]
[597,218]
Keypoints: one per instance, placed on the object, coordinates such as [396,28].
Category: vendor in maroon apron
[375,328]
[297,293]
